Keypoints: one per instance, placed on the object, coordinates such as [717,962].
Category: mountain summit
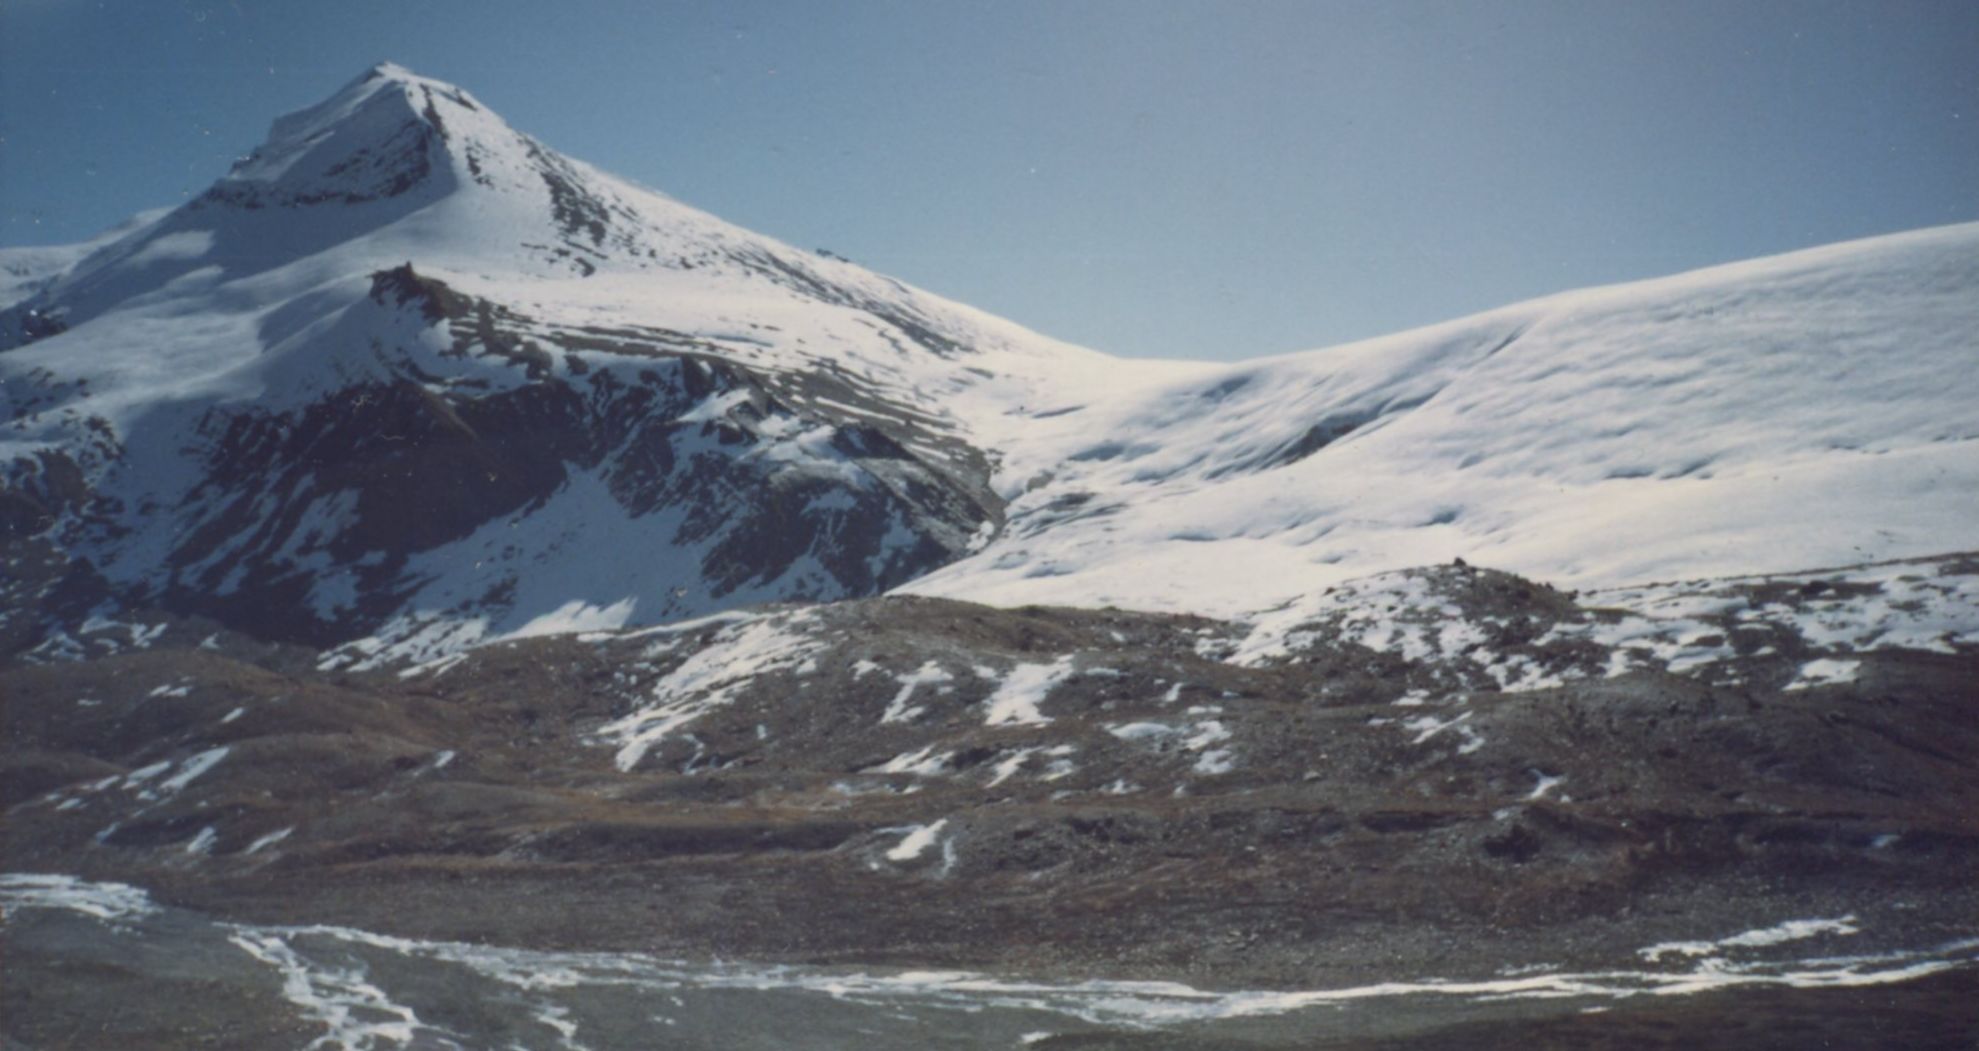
[385,134]
[396,166]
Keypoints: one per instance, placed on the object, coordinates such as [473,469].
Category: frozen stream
[366,991]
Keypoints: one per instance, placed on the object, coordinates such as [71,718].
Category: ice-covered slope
[1812,409]
[26,271]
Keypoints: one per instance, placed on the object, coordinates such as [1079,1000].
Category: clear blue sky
[1203,179]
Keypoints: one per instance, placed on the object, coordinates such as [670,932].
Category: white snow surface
[917,841]
[713,677]
[1778,934]
[264,842]
[105,901]
[1804,410]
[191,769]
[1018,697]
[26,270]
[898,710]
[1824,671]
[1927,604]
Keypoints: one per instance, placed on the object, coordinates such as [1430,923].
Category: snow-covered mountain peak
[597,398]
[381,135]
[395,167]
[365,179]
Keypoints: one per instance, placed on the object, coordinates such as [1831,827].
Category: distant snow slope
[1818,408]
[409,376]
[25,271]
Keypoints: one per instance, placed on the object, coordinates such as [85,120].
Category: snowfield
[1807,410]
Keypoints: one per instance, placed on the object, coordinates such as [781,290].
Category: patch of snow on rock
[1023,689]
